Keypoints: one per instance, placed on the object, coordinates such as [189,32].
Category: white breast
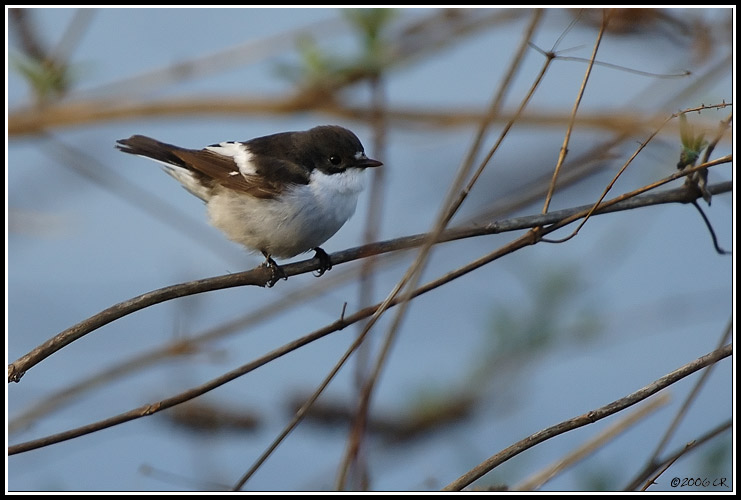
[302,218]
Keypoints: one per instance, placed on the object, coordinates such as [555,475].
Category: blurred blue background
[537,337]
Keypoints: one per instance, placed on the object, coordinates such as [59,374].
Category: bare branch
[91,111]
[572,119]
[653,462]
[525,240]
[588,418]
[448,209]
[592,445]
[693,445]
[262,275]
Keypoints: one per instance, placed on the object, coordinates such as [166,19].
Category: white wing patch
[239,153]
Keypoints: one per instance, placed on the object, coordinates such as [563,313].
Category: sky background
[540,336]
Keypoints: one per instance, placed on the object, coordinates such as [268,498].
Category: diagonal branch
[654,462]
[527,239]
[589,417]
[262,275]
[592,445]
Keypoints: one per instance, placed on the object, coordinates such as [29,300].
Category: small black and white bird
[282,194]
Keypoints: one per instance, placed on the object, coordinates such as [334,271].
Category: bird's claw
[276,272]
[325,263]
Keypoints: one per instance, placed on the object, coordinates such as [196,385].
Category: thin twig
[366,282]
[572,119]
[588,418]
[527,239]
[261,275]
[192,344]
[411,278]
[73,33]
[718,249]
[666,465]
[693,445]
[449,208]
[302,411]
[653,461]
[88,112]
[371,312]
[722,129]
[625,166]
[538,479]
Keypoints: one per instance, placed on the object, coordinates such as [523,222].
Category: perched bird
[282,194]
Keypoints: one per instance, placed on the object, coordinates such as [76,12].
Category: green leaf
[692,143]
[47,78]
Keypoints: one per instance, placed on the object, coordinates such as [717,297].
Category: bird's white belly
[302,218]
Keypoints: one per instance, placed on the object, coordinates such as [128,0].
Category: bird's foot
[325,262]
[276,272]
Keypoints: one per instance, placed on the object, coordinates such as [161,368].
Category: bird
[282,194]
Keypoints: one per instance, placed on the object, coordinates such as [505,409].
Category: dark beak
[367,163]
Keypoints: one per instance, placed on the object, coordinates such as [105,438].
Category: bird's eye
[335,160]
